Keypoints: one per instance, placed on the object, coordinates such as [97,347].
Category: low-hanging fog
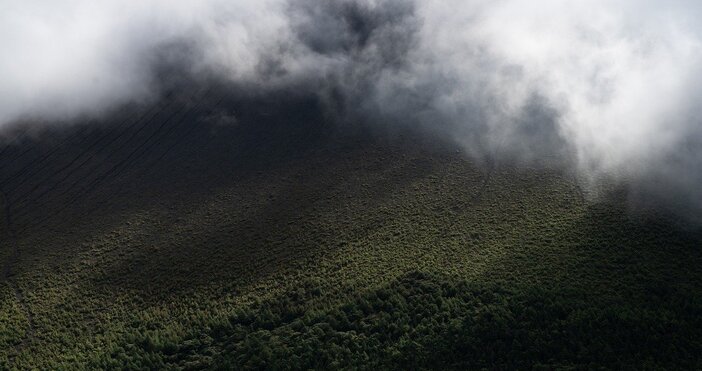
[613,87]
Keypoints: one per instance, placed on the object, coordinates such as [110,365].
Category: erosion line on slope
[123,124]
[121,165]
[40,164]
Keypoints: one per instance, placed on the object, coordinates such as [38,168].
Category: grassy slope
[243,248]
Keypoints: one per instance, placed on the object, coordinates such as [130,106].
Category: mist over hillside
[350,184]
[214,230]
[611,89]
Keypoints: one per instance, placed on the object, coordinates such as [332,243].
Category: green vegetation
[354,254]
[429,321]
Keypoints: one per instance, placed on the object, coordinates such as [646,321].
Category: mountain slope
[211,229]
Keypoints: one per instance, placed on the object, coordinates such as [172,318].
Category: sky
[613,86]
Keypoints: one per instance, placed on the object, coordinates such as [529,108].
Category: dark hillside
[217,230]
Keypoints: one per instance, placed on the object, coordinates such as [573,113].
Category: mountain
[215,229]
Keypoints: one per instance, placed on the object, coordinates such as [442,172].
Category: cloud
[611,86]
[65,58]
[620,84]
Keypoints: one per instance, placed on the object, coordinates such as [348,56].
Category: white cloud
[618,83]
